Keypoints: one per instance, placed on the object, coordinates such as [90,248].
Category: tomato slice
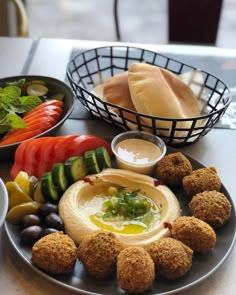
[38,127]
[54,102]
[49,121]
[50,152]
[46,155]
[30,156]
[63,148]
[45,114]
[75,146]
[85,143]
[19,158]
[26,133]
[19,137]
[39,155]
[46,109]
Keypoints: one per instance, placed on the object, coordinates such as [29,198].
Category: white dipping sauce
[137,155]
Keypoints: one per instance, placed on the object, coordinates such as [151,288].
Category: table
[218,148]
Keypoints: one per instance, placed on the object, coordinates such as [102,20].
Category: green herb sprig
[13,106]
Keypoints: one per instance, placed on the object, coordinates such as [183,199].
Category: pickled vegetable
[17,213]
[16,195]
[22,178]
[38,195]
[36,89]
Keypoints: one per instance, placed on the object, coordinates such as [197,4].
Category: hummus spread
[82,207]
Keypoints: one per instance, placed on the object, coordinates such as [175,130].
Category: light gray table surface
[14,55]
[49,57]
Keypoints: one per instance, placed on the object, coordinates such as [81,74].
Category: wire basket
[89,68]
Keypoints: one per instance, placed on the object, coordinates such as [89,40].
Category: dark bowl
[55,86]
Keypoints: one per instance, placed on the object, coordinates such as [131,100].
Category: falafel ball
[98,252]
[135,270]
[172,168]
[203,179]
[55,253]
[172,258]
[195,233]
[212,207]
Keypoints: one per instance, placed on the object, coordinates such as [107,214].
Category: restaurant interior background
[140,21]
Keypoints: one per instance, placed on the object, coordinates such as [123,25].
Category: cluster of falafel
[201,185]
[103,254]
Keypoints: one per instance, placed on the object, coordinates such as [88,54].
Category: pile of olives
[34,227]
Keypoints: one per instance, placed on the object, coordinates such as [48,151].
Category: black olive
[54,220]
[30,219]
[49,230]
[47,208]
[31,234]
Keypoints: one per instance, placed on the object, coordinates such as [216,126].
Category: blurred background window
[139,21]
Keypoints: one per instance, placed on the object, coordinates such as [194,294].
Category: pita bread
[154,91]
[116,91]
[160,93]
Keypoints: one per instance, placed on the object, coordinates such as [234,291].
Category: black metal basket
[86,69]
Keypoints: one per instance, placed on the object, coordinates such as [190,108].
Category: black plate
[56,86]
[203,265]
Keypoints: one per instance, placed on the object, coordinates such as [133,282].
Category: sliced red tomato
[46,114]
[62,148]
[19,137]
[45,109]
[31,155]
[85,143]
[38,128]
[40,120]
[19,158]
[47,154]
[46,151]
[47,103]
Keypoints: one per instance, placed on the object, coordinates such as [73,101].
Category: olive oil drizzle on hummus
[123,211]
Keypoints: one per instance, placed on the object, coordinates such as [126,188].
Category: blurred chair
[190,21]
[194,21]
[22,18]
[13,18]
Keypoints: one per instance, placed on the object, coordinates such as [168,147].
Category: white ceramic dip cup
[138,151]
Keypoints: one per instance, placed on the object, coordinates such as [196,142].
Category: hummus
[81,207]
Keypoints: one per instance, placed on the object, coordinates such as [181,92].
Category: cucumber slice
[48,189]
[103,157]
[91,162]
[75,169]
[58,177]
